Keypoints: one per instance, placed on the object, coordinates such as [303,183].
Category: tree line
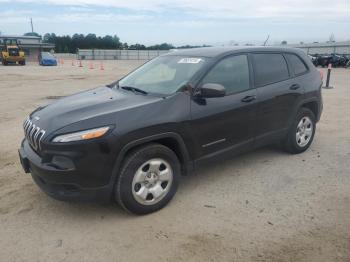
[70,44]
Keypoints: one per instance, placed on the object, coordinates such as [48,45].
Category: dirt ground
[265,205]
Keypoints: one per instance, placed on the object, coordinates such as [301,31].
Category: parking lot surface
[265,205]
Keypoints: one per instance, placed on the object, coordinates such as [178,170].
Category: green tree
[70,44]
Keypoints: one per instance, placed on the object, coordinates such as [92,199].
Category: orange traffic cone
[91,65]
[101,66]
[80,63]
[62,61]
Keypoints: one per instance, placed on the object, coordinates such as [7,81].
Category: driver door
[225,123]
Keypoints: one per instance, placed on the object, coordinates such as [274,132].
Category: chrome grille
[33,134]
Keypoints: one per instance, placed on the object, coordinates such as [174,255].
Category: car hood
[100,104]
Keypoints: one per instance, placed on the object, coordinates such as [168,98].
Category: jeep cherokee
[131,140]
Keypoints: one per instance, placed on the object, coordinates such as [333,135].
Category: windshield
[47,55]
[13,51]
[163,75]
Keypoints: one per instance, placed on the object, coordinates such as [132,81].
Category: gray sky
[181,21]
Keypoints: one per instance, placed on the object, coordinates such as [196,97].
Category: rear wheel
[4,63]
[302,131]
[22,63]
[148,179]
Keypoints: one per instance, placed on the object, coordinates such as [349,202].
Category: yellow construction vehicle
[11,53]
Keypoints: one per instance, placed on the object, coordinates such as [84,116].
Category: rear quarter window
[298,66]
[269,69]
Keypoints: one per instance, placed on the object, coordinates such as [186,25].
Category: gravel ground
[265,205]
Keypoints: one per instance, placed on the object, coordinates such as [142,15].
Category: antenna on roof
[267,39]
[31,24]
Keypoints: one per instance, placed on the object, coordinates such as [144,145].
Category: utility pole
[31,24]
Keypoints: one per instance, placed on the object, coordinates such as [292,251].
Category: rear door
[277,94]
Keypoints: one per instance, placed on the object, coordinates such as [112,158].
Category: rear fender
[299,105]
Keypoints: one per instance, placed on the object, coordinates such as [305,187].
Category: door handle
[294,87]
[248,99]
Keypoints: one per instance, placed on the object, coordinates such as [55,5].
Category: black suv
[131,140]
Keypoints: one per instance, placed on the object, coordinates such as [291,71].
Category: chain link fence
[98,54]
[342,48]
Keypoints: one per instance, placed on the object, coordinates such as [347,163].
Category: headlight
[81,135]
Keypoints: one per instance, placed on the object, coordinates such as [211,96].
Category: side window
[231,72]
[297,64]
[269,68]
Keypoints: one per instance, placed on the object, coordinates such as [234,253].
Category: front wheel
[301,132]
[148,179]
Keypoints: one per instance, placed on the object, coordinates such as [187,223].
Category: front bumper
[48,63]
[68,185]
[14,60]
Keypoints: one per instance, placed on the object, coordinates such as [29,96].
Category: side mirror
[211,90]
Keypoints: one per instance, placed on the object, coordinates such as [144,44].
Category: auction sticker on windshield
[189,60]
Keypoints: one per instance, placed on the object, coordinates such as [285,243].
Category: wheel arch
[310,103]
[313,106]
[170,139]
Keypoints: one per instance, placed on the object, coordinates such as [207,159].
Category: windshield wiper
[134,89]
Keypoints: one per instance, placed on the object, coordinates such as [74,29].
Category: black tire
[291,145]
[123,191]
[4,63]
[22,63]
